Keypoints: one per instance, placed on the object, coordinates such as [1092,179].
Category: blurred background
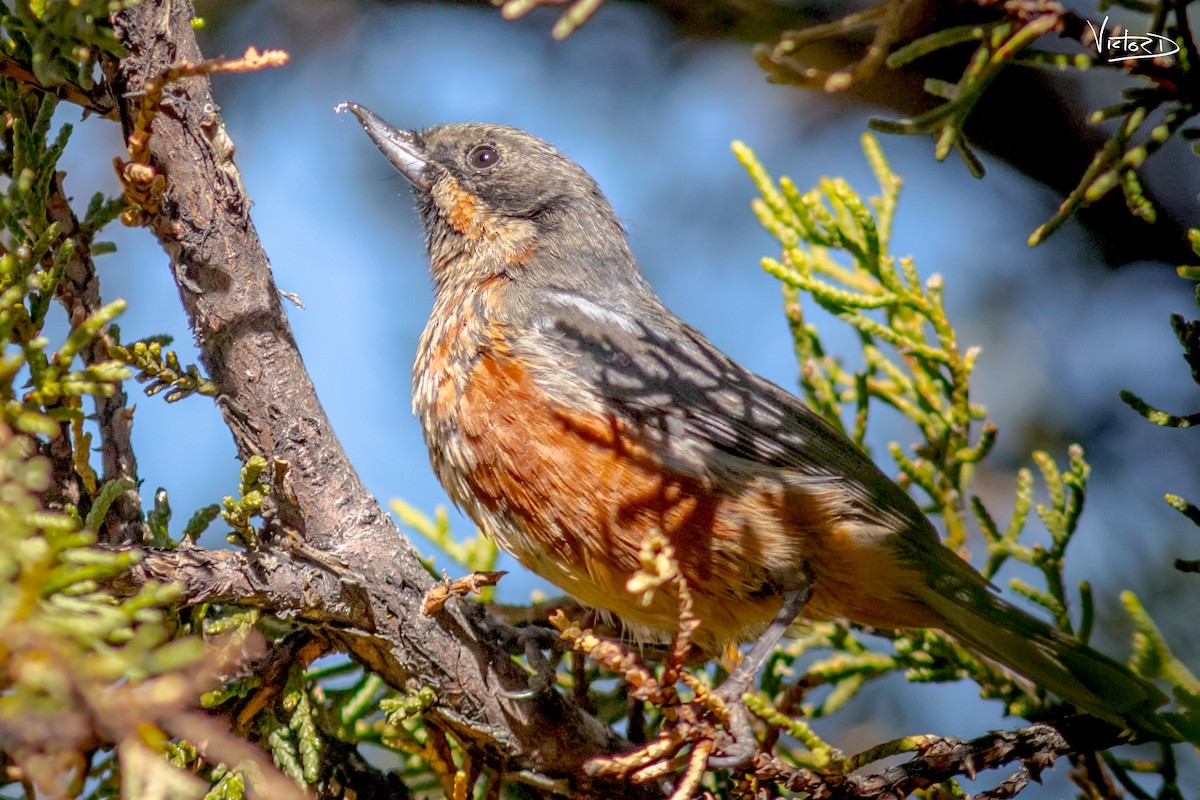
[648,101]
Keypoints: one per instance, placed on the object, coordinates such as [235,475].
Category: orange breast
[573,494]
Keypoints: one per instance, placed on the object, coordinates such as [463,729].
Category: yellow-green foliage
[59,39]
[160,370]
[33,259]
[835,253]
[77,665]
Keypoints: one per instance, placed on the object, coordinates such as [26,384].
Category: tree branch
[274,581]
[225,283]
[79,292]
[938,760]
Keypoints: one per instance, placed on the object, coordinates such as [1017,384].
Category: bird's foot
[739,743]
[534,642]
[728,700]
[529,641]
[713,731]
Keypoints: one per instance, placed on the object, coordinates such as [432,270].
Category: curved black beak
[398,147]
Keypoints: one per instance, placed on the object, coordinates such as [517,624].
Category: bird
[570,414]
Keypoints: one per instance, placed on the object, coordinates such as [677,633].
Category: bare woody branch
[225,283]
[939,759]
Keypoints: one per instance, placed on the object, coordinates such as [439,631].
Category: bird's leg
[738,751]
[533,640]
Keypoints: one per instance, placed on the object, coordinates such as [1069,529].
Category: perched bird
[569,413]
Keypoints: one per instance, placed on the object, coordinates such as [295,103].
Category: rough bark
[354,573]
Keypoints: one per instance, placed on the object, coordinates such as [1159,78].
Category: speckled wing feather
[705,414]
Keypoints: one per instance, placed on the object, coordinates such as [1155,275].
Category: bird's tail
[970,611]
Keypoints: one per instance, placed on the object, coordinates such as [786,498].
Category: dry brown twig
[436,598]
[300,648]
[782,65]
[97,101]
[143,184]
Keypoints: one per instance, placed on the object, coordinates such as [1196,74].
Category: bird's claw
[533,642]
[740,744]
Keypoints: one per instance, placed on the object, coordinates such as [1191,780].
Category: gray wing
[704,413]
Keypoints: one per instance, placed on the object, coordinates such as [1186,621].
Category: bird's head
[497,200]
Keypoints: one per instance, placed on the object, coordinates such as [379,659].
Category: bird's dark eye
[483,156]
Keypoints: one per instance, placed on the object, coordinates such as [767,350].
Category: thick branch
[274,581]
[226,286]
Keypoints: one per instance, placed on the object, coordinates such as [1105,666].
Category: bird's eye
[483,156]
